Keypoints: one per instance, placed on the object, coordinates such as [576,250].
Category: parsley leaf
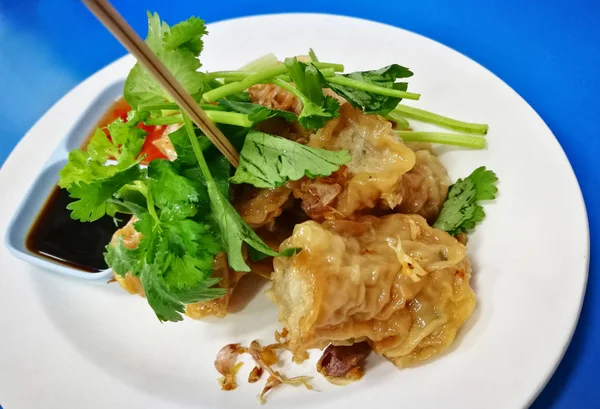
[178,49]
[461,210]
[268,161]
[368,101]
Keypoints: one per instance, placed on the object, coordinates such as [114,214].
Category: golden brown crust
[393,281]
[424,187]
[379,159]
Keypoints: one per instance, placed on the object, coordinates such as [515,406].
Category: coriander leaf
[183,148]
[168,301]
[173,191]
[368,101]
[188,237]
[140,87]
[156,32]
[100,147]
[268,161]
[307,78]
[485,183]
[92,197]
[309,83]
[256,113]
[461,210]
[220,169]
[166,306]
[126,206]
[124,145]
[256,255]
[235,134]
[233,229]
[187,271]
[314,116]
[187,34]
[201,293]
[76,170]
[128,136]
[121,259]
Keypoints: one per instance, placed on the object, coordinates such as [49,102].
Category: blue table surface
[547,50]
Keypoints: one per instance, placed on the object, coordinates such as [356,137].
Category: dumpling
[275,97]
[260,207]
[371,178]
[393,281]
[424,187]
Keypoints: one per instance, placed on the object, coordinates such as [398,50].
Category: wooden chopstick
[115,23]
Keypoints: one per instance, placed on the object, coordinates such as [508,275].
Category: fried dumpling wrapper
[393,281]
[425,186]
[379,159]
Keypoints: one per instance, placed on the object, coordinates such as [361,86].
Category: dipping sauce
[58,238]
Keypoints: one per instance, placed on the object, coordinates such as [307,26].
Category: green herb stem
[291,89]
[401,123]
[375,89]
[258,77]
[324,65]
[230,118]
[467,141]
[150,202]
[227,74]
[172,106]
[189,127]
[236,76]
[163,120]
[439,120]
[235,87]
[218,116]
[313,56]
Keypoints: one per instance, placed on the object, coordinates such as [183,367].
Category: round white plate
[66,343]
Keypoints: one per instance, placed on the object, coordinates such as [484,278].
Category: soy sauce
[57,237]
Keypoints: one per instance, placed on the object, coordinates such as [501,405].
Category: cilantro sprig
[234,230]
[462,210]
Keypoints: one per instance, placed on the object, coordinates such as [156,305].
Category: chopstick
[123,32]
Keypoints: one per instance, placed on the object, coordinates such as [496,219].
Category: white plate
[66,343]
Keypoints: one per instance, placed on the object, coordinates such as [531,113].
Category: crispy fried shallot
[226,365]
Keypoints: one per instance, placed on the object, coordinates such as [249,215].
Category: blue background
[547,50]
